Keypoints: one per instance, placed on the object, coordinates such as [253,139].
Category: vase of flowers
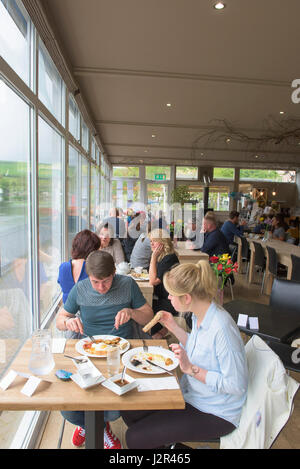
[223,267]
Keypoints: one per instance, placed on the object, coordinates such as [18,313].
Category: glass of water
[41,360]
[113,360]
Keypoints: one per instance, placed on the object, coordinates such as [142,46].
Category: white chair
[269,401]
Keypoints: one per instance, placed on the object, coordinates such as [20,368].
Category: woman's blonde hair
[198,280]
[162,236]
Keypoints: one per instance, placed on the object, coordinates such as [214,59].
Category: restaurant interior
[168,109]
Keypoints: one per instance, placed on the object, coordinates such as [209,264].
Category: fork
[77,360]
[145,347]
[90,337]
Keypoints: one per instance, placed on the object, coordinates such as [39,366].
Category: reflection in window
[267,175]
[51,86]
[15,38]
[15,292]
[125,193]
[158,173]
[218,198]
[125,172]
[224,173]
[50,213]
[73,196]
[84,193]
[74,118]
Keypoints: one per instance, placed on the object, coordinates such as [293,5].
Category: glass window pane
[125,193]
[15,291]
[218,198]
[186,172]
[157,197]
[50,213]
[15,38]
[93,195]
[158,173]
[74,118]
[51,86]
[84,193]
[73,196]
[85,136]
[224,173]
[125,172]
[267,175]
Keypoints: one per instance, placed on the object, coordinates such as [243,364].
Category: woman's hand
[167,320]
[157,250]
[181,355]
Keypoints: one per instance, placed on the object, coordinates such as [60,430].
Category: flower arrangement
[223,267]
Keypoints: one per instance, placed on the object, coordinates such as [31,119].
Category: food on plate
[141,357]
[153,321]
[142,275]
[99,346]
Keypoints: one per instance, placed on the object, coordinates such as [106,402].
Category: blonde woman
[212,360]
[163,258]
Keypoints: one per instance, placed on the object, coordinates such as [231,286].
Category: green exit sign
[160,177]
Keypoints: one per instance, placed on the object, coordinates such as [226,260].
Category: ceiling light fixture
[274,193]
[153,135]
[281,112]
[169,104]
[219,6]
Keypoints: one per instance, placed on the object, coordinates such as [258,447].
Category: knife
[158,366]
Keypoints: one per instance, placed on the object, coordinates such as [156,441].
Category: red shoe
[78,438]
[110,440]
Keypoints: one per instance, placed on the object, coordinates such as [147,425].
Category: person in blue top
[213,362]
[73,271]
[108,304]
[231,227]
[215,242]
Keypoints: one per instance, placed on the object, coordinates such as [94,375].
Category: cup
[113,360]
[41,360]
[138,270]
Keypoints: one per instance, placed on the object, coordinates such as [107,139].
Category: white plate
[139,279]
[79,345]
[126,359]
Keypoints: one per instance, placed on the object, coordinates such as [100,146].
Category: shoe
[110,440]
[78,438]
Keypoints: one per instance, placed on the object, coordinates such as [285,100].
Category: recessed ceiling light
[168,104]
[256,156]
[228,140]
[153,135]
[281,112]
[145,151]
[219,6]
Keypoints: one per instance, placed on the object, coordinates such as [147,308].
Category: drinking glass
[113,360]
[41,360]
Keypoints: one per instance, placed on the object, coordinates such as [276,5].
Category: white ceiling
[132,57]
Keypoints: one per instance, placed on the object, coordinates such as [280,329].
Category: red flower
[228,270]
[214,259]
[220,267]
[229,262]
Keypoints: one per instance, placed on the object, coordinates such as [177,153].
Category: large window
[51,86]
[94,215]
[272,175]
[50,213]
[15,291]
[218,198]
[126,172]
[73,196]
[224,173]
[125,193]
[158,173]
[15,38]
[74,118]
[84,193]
[186,172]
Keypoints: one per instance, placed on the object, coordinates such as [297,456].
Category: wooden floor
[289,438]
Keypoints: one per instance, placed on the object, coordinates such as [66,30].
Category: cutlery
[77,360]
[91,337]
[123,373]
[160,367]
[145,347]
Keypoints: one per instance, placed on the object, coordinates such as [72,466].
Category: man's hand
[74,325]
[122,317]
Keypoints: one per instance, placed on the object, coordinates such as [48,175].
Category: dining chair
[274,269]
[269,403]
[259,261]
[245,254]
[295,268]
[285,296]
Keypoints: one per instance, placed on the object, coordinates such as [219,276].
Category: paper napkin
[157,384]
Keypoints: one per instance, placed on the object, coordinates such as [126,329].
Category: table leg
[94,426]
[251,267]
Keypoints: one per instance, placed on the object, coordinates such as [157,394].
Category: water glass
[113,360]
[41,360]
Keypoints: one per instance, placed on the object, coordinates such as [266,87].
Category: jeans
[77,416]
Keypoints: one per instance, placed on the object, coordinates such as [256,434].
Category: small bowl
[119,389]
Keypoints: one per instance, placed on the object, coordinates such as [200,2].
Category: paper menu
[242,320]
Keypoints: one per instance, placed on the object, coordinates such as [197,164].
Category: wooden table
[283,250]
[60,395]
[186,255]
[147,291]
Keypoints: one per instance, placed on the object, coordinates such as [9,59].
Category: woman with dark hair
[109,244]
[73,271]
[279,228]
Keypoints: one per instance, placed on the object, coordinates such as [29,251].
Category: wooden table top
[66,395]
[186,254]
